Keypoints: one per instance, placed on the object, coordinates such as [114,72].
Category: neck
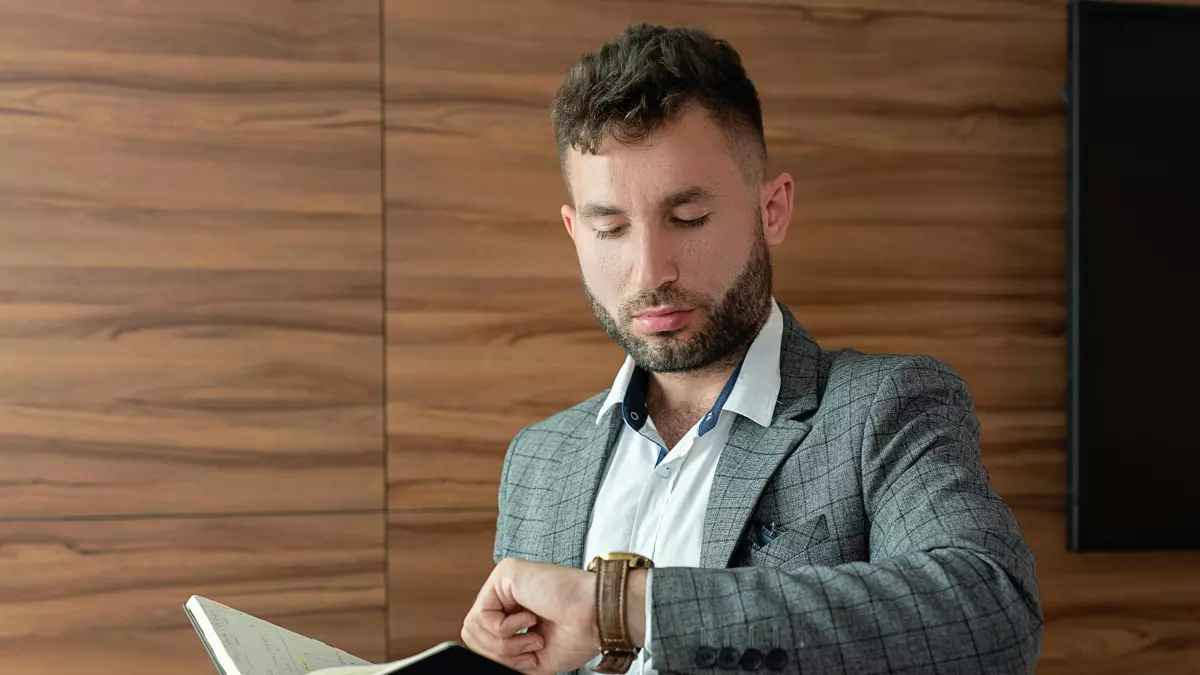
[694,389]
[688,394]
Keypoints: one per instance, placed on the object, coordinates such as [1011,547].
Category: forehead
[689,151]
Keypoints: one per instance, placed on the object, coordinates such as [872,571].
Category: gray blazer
[858,533]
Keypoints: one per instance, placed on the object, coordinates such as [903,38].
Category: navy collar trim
[633,407]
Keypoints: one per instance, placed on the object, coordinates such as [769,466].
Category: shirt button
[708,416]
[663,471]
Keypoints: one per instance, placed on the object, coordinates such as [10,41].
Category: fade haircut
[633,85]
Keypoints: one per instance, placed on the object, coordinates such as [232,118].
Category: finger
[513,646]
[504,625]
[520,644]
[488,599]
[490,611]
[493,595]
[511,624]
[481,642]
[468,635]
[526,663]
[488,646]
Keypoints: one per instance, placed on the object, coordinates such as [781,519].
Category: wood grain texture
[927,140]
[927,151]
[106,597]
[1110,613]
[190,272]
[437,562]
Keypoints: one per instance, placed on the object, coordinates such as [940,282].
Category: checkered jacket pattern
[858,533]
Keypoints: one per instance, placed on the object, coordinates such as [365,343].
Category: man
[747,500]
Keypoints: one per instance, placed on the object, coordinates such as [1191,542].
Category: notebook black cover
[455,660]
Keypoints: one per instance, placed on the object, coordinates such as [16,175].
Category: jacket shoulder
[856,376]
[576,421]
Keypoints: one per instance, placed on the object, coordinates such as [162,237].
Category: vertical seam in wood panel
[383,277]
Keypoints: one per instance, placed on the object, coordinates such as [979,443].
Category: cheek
[708,262]
[698,250]
[603,269]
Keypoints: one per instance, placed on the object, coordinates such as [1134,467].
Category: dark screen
[1135,210]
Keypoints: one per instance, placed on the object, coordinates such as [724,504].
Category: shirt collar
[757,388]
[751,391]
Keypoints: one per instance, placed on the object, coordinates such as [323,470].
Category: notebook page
[385,669]
[257,647]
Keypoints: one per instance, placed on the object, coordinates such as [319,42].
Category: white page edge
[224,660]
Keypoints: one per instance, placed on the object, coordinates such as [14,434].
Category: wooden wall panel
[190,283]
[487,327]
[927,153]
[437,562]
[106,597]
[1113,613]
[928,143]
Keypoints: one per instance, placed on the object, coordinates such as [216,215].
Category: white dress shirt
[652,499]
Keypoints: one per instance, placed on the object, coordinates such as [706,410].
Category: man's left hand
[556,604]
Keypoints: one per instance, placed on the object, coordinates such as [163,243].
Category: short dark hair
[631,86]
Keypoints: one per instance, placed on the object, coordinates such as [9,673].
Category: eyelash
[697,222]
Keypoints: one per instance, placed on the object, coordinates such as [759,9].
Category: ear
[568,216]
[776,200]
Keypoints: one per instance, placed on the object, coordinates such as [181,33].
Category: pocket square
[762,534]
[769,543]
[807,533]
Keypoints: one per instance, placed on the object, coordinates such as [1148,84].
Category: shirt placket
[656,489]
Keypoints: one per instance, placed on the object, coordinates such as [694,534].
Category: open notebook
[241,644]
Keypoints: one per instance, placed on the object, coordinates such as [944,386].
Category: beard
[733,319]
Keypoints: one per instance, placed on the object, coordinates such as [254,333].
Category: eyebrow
[689,195]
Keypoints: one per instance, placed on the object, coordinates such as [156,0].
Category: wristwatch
[612,571]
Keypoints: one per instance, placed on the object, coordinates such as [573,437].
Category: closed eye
[696,222]
[609,234]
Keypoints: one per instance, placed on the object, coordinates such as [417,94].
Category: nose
[655,264]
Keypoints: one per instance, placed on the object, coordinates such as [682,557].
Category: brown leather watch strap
[610,604]
[612,576]
[615,662]
[619,652]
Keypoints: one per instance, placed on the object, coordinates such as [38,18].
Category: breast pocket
[786,548]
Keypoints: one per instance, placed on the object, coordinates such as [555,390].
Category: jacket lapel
[753,453]
[747,463]
[583,458]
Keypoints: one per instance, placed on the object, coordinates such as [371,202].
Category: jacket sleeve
[504,514]
[950,584]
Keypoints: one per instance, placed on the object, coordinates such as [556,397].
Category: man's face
[671,245]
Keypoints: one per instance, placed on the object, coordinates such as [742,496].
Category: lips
[661,319]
